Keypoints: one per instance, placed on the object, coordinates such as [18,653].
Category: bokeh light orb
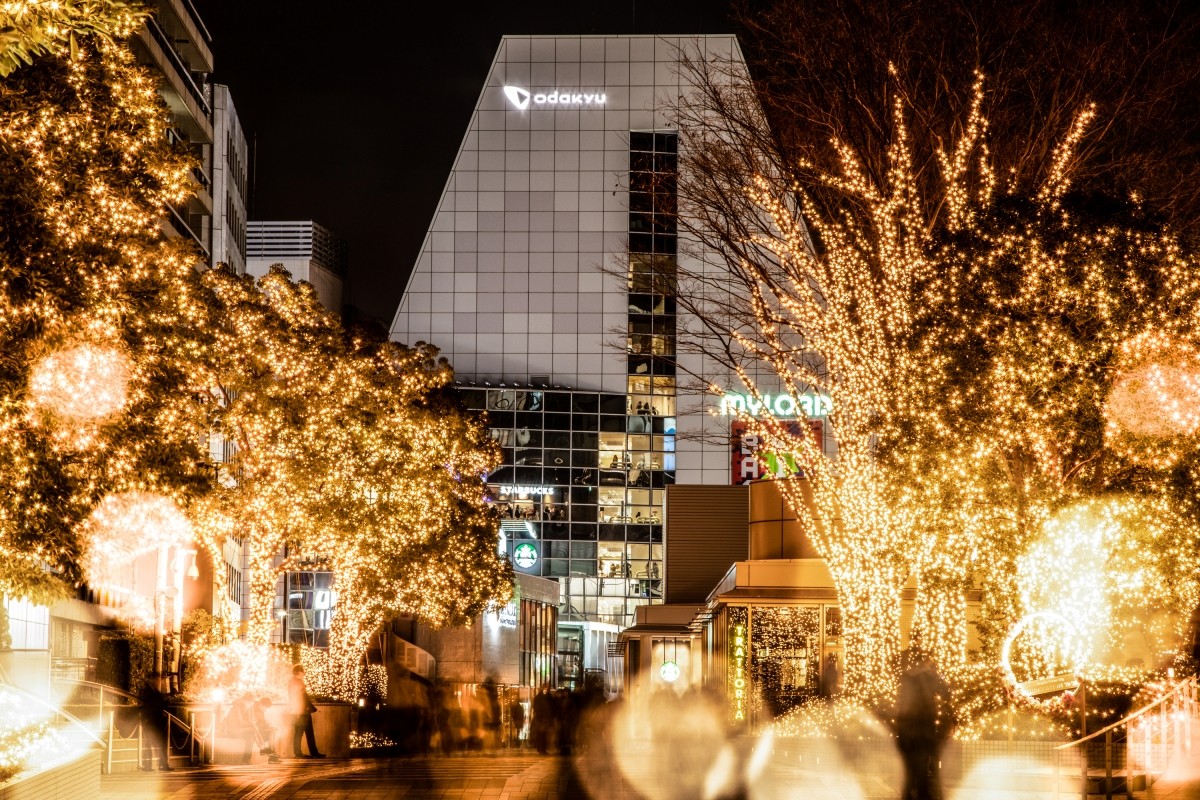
[126,525]
[83,383]
[1156,393]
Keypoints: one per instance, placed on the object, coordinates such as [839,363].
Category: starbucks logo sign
[525,555]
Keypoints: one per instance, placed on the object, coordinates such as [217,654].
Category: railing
[72,669]
[1141,744]
[181,741]
[181,67]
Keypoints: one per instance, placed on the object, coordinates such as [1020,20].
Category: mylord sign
[782,406]
[523,99]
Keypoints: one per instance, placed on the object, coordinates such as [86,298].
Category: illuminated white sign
[523,98]
[780,405]
[525,555]
[505,616]
[669,671]
[525,491]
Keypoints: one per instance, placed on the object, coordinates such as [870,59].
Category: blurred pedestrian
[924,719]
[239,724]
[542,725]
[489,699]
[154,723]
[829,677]
[301,707]
[264,731]
[516,716]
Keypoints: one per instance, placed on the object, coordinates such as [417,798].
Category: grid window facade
[582,479]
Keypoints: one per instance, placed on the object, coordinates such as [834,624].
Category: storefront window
[785,658]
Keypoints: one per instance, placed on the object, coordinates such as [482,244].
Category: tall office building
[547,277]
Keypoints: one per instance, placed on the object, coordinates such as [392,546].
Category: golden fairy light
[81,382]
[126,525]
[26,733]
[1115,568]
[1157,391]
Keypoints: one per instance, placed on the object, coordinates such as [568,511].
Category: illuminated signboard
[750,462]
[505,616]
[669,671]
[738,693]
[780,405]
[525,491]
[522,98]
[525,555]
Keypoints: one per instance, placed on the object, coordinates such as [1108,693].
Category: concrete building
[307,249]
[230,188]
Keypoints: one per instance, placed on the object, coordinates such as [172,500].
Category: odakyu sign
[522,99]
[783,406]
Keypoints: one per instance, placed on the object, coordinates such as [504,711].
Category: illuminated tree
[92,293]
[967,321]
[345,456]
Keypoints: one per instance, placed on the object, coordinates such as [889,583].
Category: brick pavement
[641,774]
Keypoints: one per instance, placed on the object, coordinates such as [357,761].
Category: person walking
[542,724]
[924,719]
[516,714]
[301,707]
[154,723]
[829,678]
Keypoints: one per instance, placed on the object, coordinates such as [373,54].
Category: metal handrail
[1180,734]
[1185,683]
[67,716]
[189,746]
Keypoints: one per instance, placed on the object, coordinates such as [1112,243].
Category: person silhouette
[924,719]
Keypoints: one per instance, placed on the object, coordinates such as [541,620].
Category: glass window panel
[529,401]
[556,439]
[641,140]
[501,399]
[558,401]
[583,567]
[585,402]
[557,422]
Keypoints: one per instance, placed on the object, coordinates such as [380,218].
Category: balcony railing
[180,65]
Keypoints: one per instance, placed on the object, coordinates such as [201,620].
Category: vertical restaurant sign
[749,463]
[737,639]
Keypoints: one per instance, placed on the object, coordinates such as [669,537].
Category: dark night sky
[356,112]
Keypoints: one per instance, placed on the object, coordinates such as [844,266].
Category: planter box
[69,781]
[332,725]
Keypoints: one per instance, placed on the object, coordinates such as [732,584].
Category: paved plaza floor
[643,775]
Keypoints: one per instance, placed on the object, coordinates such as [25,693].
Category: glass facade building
[548,279]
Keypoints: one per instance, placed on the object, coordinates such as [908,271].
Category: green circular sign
[525,555]
[669,671]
